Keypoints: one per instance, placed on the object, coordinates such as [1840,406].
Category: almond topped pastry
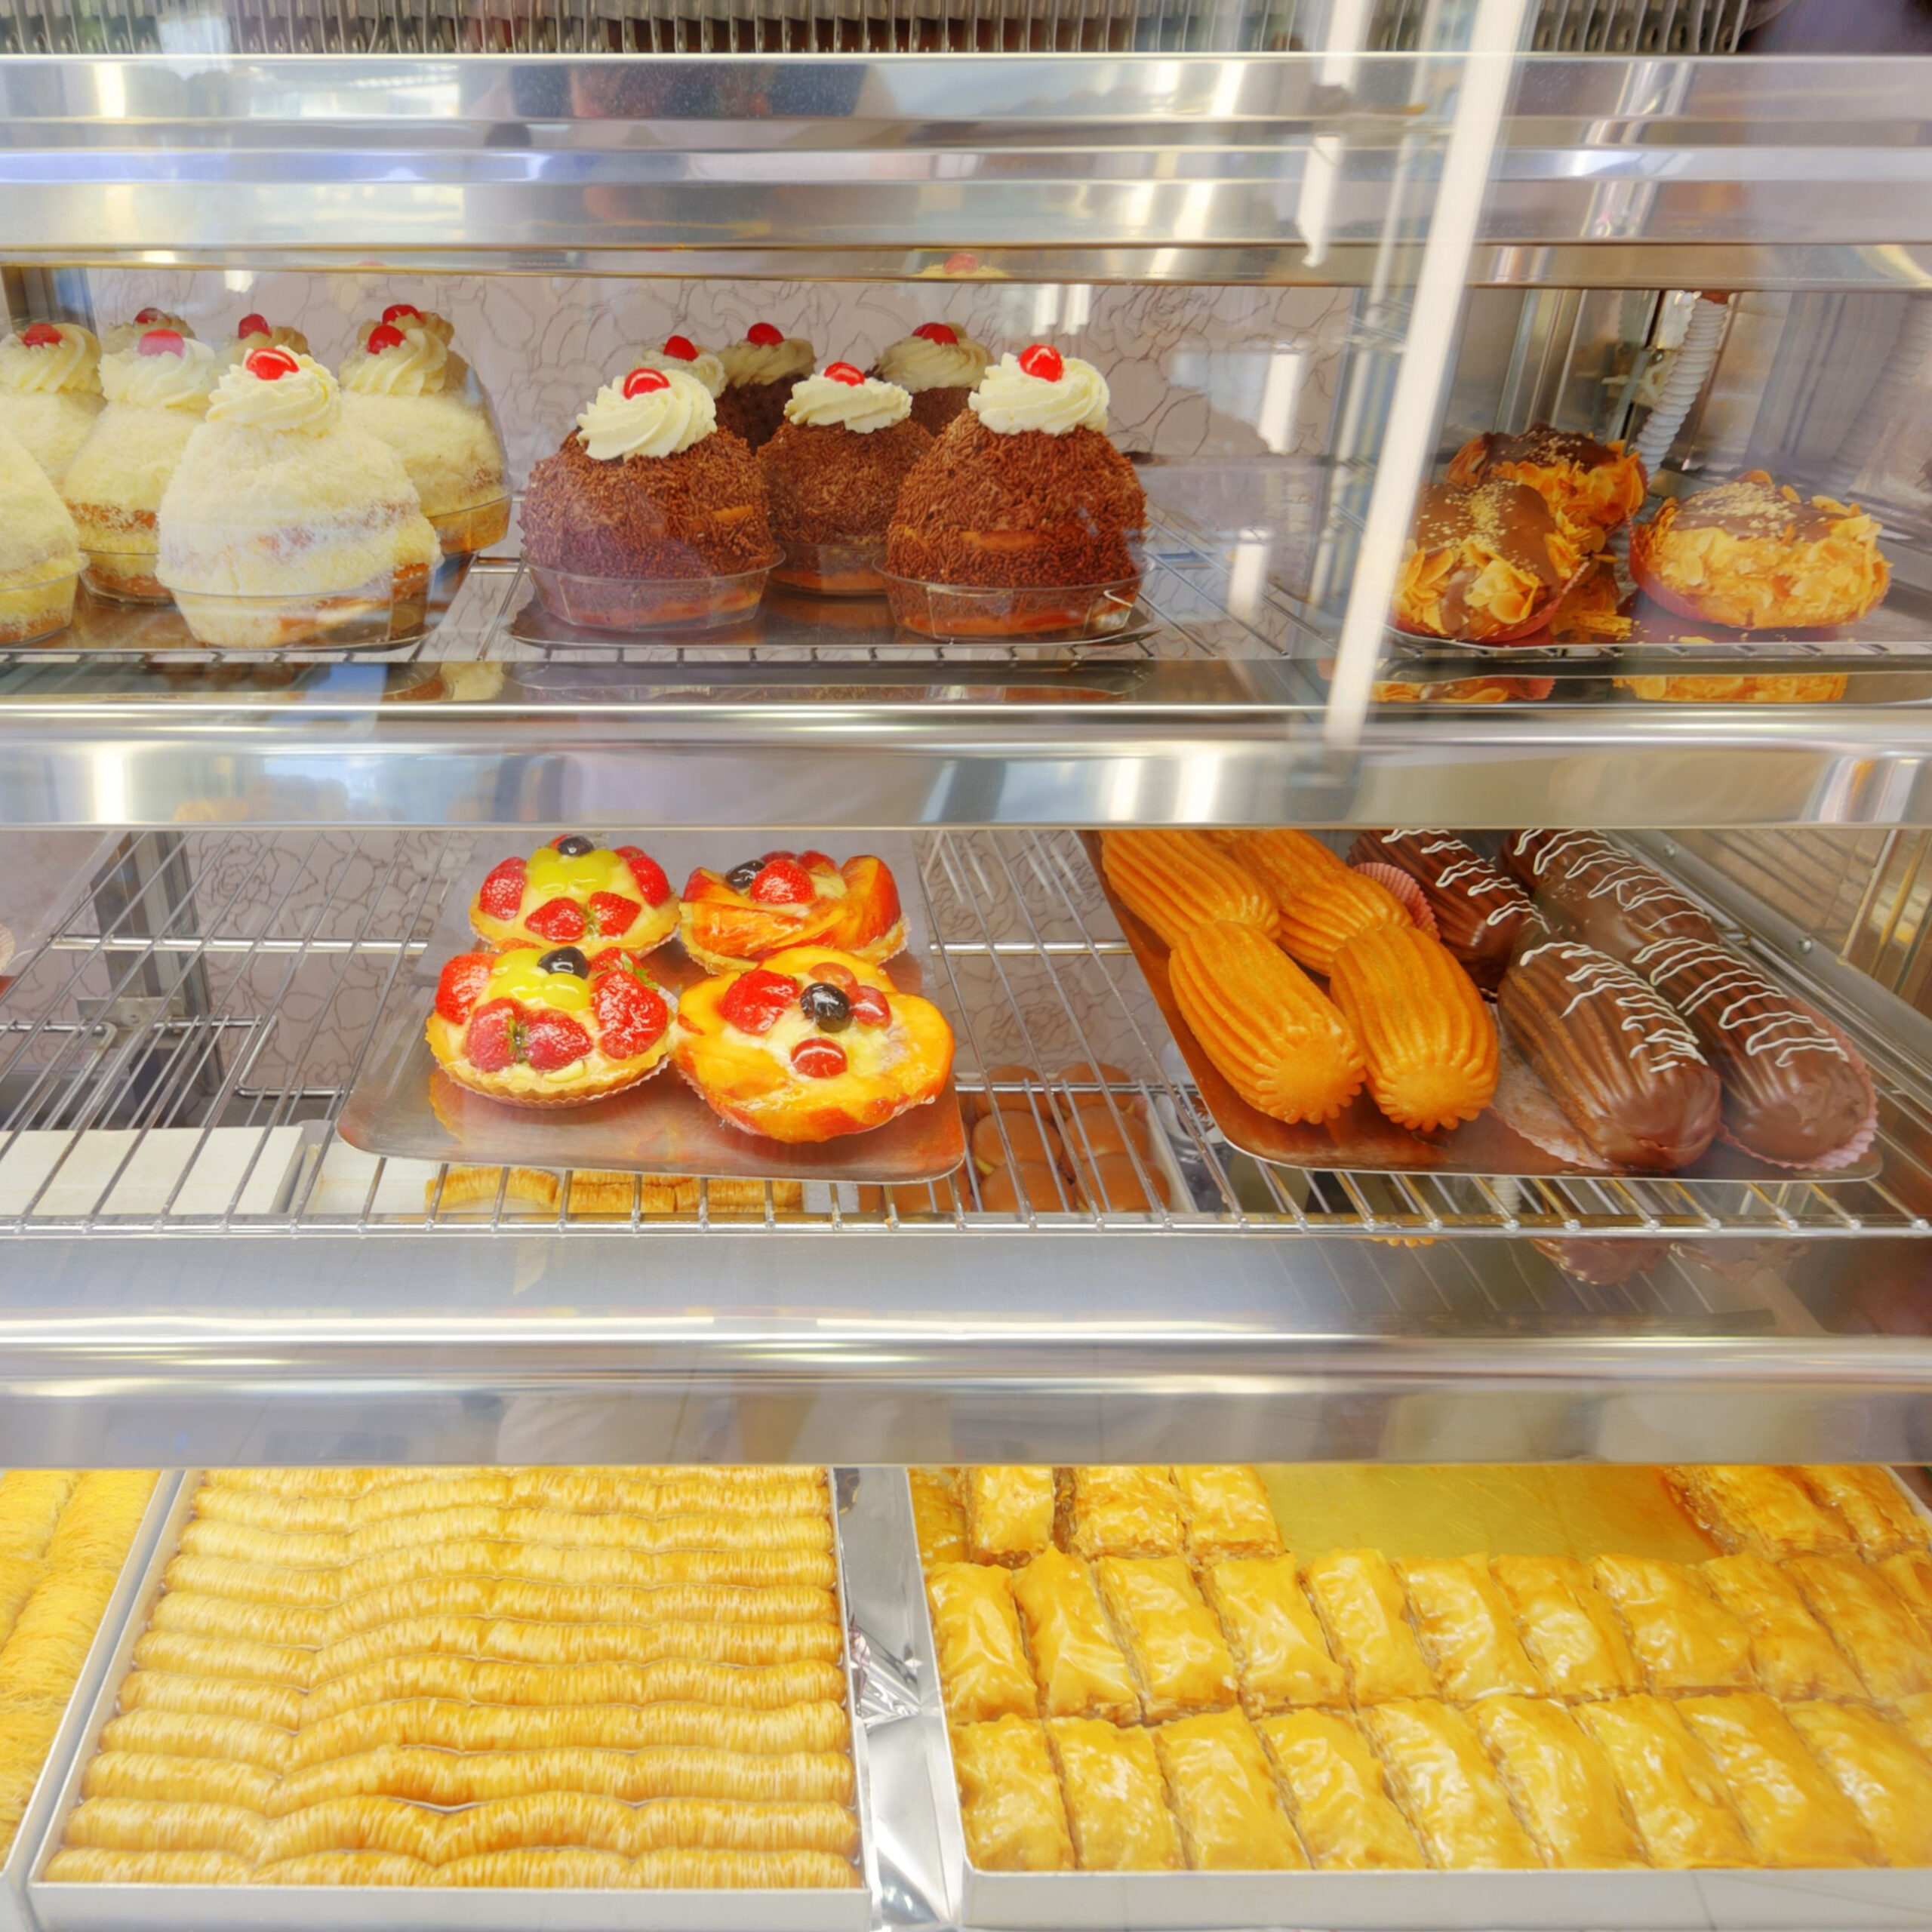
[1593,488]
[1486,564]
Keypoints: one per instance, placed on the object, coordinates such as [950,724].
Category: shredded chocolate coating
[754,410]
[1596,891]
[1749,508]
[1481,914]
[829,485]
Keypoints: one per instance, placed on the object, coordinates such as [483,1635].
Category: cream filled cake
[282,519]
[937,365]
[157,394]
[50,391]
[123,335]
[40,557]
[680,352]
[406,314]
[760,373]
[405,387]
[256,331]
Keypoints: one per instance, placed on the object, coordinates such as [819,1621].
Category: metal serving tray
[110,1908]
[15,1914]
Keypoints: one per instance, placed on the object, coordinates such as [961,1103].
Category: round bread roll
[1111,1183]
[1027,1138]
[1086,1073]
[1035,1185]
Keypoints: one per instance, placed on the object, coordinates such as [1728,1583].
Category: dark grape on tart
[814,1044]
[575,892]
[733,920]
[553,1029]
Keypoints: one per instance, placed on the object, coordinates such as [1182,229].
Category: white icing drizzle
[1471,873]
[1631,884]
[1661,1041]
[1779,1035]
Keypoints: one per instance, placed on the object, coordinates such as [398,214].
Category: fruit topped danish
[549,1030]
[734,919]
[575,892]
[814,1044]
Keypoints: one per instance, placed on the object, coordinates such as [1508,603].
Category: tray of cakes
[474,1697]
[576,1007]
[1218,1697]
[1403,1001]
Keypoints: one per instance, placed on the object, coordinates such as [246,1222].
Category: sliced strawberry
[460,985]
[870,1007]
[818,1058]
[754,1001]
[613,914]
[552,1040]
[694,887]
[772,858]
[816,862]
[495,1037]
[632,1015]
[784,882]
[648,873]
[560,920]
[503,891]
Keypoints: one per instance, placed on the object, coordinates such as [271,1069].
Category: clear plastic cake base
[386,611]
[648,604]
[125,576]
[1097,612]
[833,570]
[41,608]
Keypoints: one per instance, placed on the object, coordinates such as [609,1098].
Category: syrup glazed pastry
[1485,565]
[730,922]
[1597,893]
[1796,1092]
[1592,488]
[814,1044]
[1481,915]
[760,375]
[1620,1061]
[939,367]
[575,892]
[1753,555]
[550,1029]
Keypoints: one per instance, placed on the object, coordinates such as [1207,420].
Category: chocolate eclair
[1796,1092]
[1604,1264]
[1623,1066]
[1481,914]
[1484,564]
[1593,488]
[1596,891]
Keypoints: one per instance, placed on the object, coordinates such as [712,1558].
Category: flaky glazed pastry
[1484,564]
[1009,1508]
[1467,1633]
[1180,1661]
[1280,1655]
[814,1044]
[1174,881]
[1677,1796]
[1592,488]
[1359,1599]
[1568,1626]
[1122,1509]
[1227,1510]
[1888,1783]
[1868,1500]
[1753,554]
[1560,1782]
[1337,1793]
[1009,1798]
[1116,1799]
[1757,1506]
[979,1651]
[573,892]
[1440,1771]
[733,920]
[1231,1818]
[1791,1654]
[1081,1670]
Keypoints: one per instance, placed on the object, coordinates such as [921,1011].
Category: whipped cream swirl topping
[754,361]
[49,357]
[828,401]
[406,316]
[705,367]
[168,380]
[125,335]
[918,362]
[301,401]
[275,336]
[408,360]
[1009,399]
[654,420]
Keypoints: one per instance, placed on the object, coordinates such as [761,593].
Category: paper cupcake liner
[1415,901]
[1853,1150]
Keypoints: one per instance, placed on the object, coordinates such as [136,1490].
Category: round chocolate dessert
[938,368]
[833,472]
[760,375]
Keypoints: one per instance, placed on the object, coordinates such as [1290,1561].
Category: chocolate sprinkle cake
[754,410]
[830,485]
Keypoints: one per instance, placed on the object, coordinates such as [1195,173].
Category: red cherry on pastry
[833,974]
[402,308]
[162,342]
[681,347]
[784,882]
[630,1016]
[1042,361]
[552,1040]
[648,873]
[253,325]
[271,364]
[560,920]
[613,914]
[384,335]
[149,315]
[843,372]
[494,1036]
[819,1059]
[503,891]
[461,984]
[753,1001]
[940,332]
[641,382]
[870,1007]
[41,335]
[765,335]
[961,261]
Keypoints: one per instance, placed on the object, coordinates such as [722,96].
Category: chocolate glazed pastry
[1795,1092]
[1595,890]
[1481,914]
[1621,1064]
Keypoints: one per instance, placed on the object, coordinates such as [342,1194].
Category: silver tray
[110,1908]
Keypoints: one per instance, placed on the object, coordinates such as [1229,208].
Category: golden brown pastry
[1592,488]
[1283,859]
[555,1818]
[1230,1817]
[1179,1660]
[1796,1816]
[568,1868]
[1359,1604]
[31,1501]
[369,1821]
[1337,1793]
[1467,1636]
[1009,1798]
[1277,1041]
[1227,1511]
[1683,1811]
[545,1563]
[1079,1667]
[1328,911]
[1446,1788]
[96,1867]
[143,1824]
[1791,1654]
[1569,1628]
[192,1656]
[1915,1719]
[981,1657]
[1758,1507]
[939,1518]
[184,1734]
[274,1704]
[1685,1639]
[1279,1648]
[1871,1623]
[1116,1800]
[1910,1575]
[1560,1781]
[1485,564]
[147,1774]
[345,1868]
[1868,1499]
[1174,881]
[1888,1781]
[192,1614]
[254,1582]
[1120,1509]
[1009,1512]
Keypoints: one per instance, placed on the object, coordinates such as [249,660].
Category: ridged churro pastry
[1174,881]
[1592,488]
[1283,858]
[1428,1040]
[1321,919]
[1485,564]
[1753,555]
[1281,1043]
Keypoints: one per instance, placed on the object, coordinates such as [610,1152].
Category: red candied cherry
[870,1007]
[754,1001]
[641,382]
[815,862]
[681,348]
[149,315]
[403,312]
[1042,361]
[612,914]
[560,920]
[552,1041]
[818,1058]
[961,261]
[765,335]
[843,372]
[162,342]
[270,365]
[834,974]
[384,335]
[784,882]
[503,891]
[460,985]
[41,335]
[648,873]
[631,1014]
[495,1036]
[939,332]
[250,325]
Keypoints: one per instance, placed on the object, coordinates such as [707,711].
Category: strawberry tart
[734,919]
[575,892]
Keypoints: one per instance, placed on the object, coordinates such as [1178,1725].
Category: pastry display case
[776,776]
